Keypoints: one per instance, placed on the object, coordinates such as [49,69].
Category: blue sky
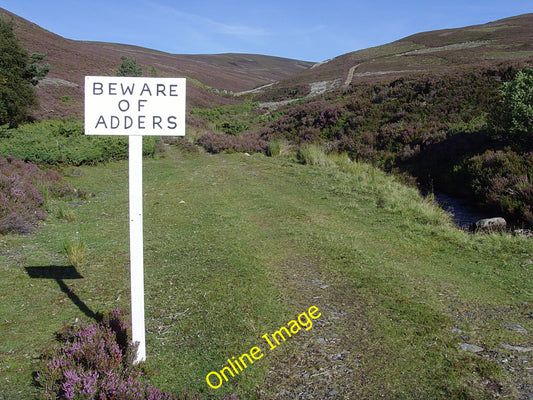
[302,29]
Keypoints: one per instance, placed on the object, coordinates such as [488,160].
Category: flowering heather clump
[503,180]
[215,143]
[96,362]
[21,194]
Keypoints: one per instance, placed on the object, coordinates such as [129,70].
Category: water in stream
[463,213]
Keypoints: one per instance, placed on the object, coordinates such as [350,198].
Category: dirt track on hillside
[349,78]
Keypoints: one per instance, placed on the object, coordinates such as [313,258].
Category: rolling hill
[213,77]
[210,77]
[434,51]
[238,244]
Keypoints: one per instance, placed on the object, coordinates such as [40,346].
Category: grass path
[237,246]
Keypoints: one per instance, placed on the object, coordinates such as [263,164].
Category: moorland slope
[237,245]
[426,52]
[209,76]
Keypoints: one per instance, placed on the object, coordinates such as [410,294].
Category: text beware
[134,106]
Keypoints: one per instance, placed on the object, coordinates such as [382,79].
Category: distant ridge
[210,76]
[212,79]
[427,52]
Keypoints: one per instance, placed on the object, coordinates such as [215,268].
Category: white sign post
[135,107]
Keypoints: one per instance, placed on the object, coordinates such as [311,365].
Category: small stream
[464,214]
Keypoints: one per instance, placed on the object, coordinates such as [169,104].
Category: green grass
[75,251]
[313,154]
[231,243]
[279,147]
[510,55]
[64,142]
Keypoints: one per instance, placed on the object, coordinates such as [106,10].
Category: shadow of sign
[59,273]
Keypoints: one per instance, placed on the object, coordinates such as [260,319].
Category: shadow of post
[59,273]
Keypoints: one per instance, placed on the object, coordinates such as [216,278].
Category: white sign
[134,106]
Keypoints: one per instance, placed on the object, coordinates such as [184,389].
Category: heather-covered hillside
[425,105]
[327,220]
[439,128]
[426,52]
[210,77]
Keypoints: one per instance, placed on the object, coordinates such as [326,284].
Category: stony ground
[331,360]
[319,363]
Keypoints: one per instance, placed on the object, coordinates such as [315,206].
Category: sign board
[134,106]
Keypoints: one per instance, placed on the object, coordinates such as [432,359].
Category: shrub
[96,362]
[19,73]
[23,190]
[231,119]
[54,142]
[503,180]
[215,143]
[233,127]
[513,117]
[129,67]
[391,123]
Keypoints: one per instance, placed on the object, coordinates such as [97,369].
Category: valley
[289,252]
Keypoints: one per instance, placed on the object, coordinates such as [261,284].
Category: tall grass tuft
[278,147]
[75,251]
[65,213]
[313,154]
[391,194]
